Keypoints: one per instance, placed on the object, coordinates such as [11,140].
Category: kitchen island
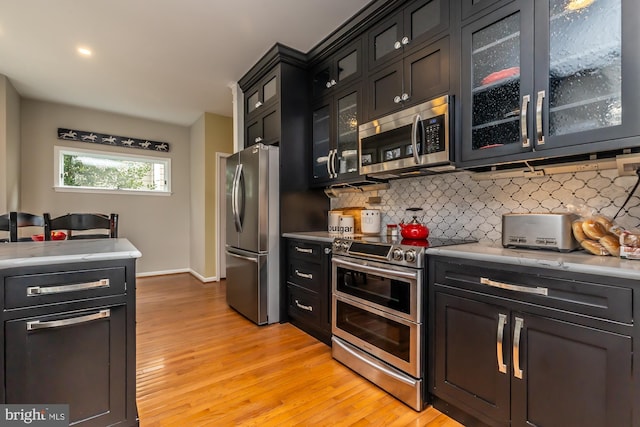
[68,337]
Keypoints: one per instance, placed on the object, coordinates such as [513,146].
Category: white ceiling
[167,60]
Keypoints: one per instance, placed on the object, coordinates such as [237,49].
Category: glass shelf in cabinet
[496,84]
[496,43]
[496,122]
[586,102]
[348,108]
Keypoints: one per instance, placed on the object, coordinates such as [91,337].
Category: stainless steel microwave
[407,141]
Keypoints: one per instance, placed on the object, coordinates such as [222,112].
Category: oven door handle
[383,271]
[375,365]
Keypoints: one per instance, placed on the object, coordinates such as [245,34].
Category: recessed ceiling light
[84,51]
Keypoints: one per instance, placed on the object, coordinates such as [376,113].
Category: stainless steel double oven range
[378,320]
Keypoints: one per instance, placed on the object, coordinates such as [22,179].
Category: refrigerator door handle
[234,198]
[246,258]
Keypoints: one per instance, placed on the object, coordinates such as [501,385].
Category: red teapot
[413,229]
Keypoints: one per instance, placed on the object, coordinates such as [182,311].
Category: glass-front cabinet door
[497,81]
[550,75]
[321,150]
[347,133]
[334,129]
[579,88]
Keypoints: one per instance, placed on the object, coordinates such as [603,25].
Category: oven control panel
[383,252]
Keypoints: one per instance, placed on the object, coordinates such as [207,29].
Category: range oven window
[385,292]
[392,337]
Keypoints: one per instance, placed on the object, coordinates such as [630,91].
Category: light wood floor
[199,363]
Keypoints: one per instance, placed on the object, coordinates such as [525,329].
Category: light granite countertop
[65,251]
[317,236]
[579,261]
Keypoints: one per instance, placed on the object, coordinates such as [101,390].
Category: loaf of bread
[604,221]
[596,248]
[593,229]
[611,244]
[576,226]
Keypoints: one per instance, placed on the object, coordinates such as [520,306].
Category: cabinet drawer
[305,274]
[574,292]
[307,251]
[303,304]
[50,288]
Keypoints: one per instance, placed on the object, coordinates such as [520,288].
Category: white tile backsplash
[455,205]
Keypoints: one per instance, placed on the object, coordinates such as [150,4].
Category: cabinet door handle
[539,129]
[333,82]
[404,96]
[517,372]
[502,321]
[36,324]
[405,41]
[523,121]
[397,45]
[258,104]
[526,289]
[333,163]
[304,250]
[397,99]
[258,139]
[33,291]
[304,275]
[304,307]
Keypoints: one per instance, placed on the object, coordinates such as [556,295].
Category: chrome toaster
[539,231]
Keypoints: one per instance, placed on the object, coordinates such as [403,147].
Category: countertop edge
[316,236]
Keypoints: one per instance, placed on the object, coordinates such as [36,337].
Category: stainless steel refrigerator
[252,247]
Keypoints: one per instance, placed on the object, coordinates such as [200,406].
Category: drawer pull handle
[33,291]
[304,250]
[304,307]
[502,321]
[304,275]
[517,372]
[36,324]
[526,289]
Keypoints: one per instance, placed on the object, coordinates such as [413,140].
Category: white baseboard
[202,278]
[180,270]
[163,272]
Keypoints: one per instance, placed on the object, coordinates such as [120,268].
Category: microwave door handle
[417,121]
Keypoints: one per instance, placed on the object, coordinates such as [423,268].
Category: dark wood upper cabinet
[338,70]
[406,29]
[418,77]
[544,79]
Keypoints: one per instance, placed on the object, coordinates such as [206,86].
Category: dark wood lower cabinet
[81,364]
[308,287]
[510,360]
[69,338]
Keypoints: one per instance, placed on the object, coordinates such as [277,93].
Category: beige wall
[157,225]
[9,146]
[210,134]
